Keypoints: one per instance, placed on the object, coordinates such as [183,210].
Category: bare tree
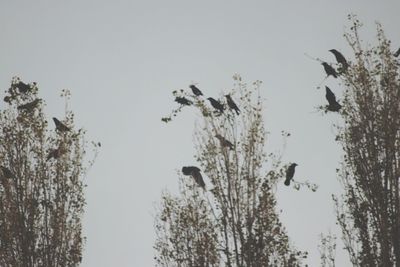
[41,187]
[369,211]
[233,221]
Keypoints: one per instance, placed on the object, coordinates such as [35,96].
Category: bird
[329,70]
[290,173]
[340,59]
[23,87]
[232,104]
[224,142]
[216,104]
[183,101]
[333,104]
[196,91]
[195,173]
[60,126]
[7,173]
[397,53]
[29,106]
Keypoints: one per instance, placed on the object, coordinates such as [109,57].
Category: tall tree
[234,222]
[41,191]
[369,210]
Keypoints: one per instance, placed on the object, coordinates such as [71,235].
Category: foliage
[41,187]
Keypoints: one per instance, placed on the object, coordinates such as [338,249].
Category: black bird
[290,173]
[195,173]
[340,58]
[333,104]
[60,126]
[232,104]
[183,101]
[329,70]
[224,142]
[6,172]
[29,106]
[397,53]
[216,104]
[23,87]
[196,91]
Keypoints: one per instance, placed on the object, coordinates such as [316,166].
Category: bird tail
[287,182]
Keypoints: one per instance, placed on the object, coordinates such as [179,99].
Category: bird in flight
[231,104]
[340,59]
[183,101]
[224,142]
[60,126]
[290,173]
[333,104]
[196,91]
[329,70]
[216,104]
[195,173]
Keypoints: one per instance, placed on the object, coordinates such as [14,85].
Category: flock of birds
[29,107]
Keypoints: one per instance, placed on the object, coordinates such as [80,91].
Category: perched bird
[216,104]
[195,173]
[340,58]
[55,153]
[196,91]
[224,142]
[329,70]
[232,104]
[183,101]
[6,172]
[29,106]
[60,126]
[290,173]
[333,104]
[23,87]
[397,53]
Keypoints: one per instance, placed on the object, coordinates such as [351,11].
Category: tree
[369,210]
[41,186]
[233,221]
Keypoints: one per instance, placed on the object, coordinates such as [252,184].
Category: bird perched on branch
[333,104]
[196,91]
[232,104]
[397,53]
[7,173]
[216,104]
[23,87]
[183,101]
[290,173]
[329,70]
[224,142]
[29,106]
[60,126]
[340,59]
[195,173]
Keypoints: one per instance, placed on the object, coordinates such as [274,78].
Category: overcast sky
[122,59]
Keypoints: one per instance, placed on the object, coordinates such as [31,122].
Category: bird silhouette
[290,173]
[7,173]
[333,104]
[224,142]
[340,59]
[60,126]
[232,104]
[216,104]
[29,106]
[195,173]
[329,70]
[196,91]
[397,53]
[23,87]
[183,101]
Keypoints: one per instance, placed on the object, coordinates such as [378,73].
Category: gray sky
[122,59]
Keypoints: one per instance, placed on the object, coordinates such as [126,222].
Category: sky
[122,59]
